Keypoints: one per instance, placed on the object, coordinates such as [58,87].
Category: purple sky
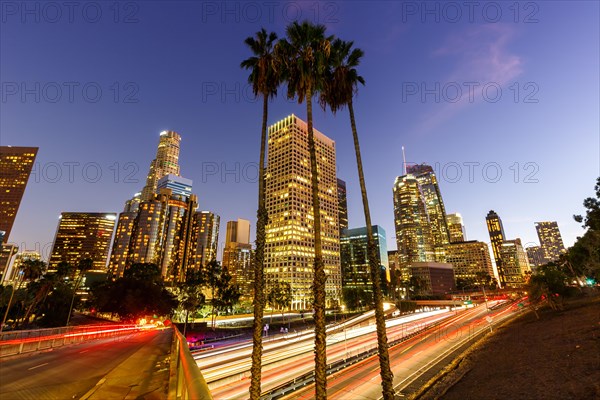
[502,100]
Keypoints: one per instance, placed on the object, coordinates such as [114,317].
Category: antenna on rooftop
[403,160]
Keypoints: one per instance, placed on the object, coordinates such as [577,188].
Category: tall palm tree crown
[263,65]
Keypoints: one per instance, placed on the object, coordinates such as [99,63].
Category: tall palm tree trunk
[319,274]
[259,257]
[382,343]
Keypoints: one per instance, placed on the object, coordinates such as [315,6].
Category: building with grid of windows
[550,240]
[456,229]
[497,237]
[413,232]
[16,164]
[514,263]
[356,271]
[82,235]
[237,255]
[434,206]
[205,235]
[536,257]
[290,248]
[471,261]
[165,163]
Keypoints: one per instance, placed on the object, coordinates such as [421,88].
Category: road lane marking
[83,351]
[37,366]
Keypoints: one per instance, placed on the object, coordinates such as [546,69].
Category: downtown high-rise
[456,229]
[290,247]
[166,162]
[16,164]
[237,255]
[497,237]
[83,235]
[550,240]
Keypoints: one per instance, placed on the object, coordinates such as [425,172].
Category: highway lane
[71,371]
[411,359]
[298,358]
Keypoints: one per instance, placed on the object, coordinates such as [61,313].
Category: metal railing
[19,342]
[186,380]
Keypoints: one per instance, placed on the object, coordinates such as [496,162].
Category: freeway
[74,372]
[227,369]
[411,361]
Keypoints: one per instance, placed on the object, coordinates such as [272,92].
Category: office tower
[434,205]
[178,185]
[471,261]
[343,205]
[82,235]
[133,204]
[237,255]
[514,263]
[436,278]
[536,256]
[162,232]
[550,240]
[290,248]
[497,237]
[120,247]
[456,229]
[356,272]
[206,237]
[165,163]
[413,231]
[15,167]
[7,252]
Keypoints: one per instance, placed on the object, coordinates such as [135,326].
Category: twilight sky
[501,99]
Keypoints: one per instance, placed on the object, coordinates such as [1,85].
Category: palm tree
[30,270]
[265,79]
[83,266]
[340,88]
[305,52]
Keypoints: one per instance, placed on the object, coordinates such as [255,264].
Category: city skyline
[120,142]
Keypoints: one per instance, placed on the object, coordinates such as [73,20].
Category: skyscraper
[413,231]
[178,185]
[15,167]
[82,235]
[550,240]
[205,235]
[471,261]
[434,205]
[237,255]
[343,205]
[497,237]
[290,248]
[356,272]
[165,163]
[456,229]
[120,248]
[536,257]
[161,234]
[514,263]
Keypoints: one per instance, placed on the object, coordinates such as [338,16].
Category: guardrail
[19,342]
[186,381]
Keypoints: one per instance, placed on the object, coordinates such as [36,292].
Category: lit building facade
[456,229]
[514,263]
[497,237]
[434,205]
[343,205]
[165,163]
[120,249]
[471,261]
[16,164]
[178,185]
[413,232]
[20,259]
[289,250]
[237,255]
[356,272]
[82,235]
[550,240]
[205,235]
[536,257]
[7,253]
[436,278]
